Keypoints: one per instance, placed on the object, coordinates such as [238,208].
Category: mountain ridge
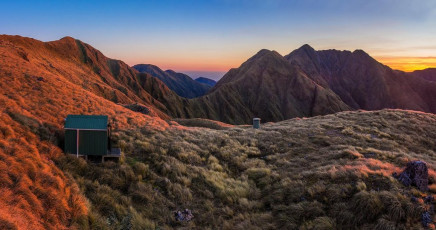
[180,83]
[206,81]
[267,86]
[308,82]
[362,82]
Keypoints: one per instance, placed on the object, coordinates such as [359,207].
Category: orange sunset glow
[408,64]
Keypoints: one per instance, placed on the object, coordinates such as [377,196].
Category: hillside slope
[206,81]
[325,172]
[180,83]
[83,65]
[40,85]
[362,82]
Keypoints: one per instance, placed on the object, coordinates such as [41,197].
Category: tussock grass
[40,85]
[204,123]
[326,172]
[32,187]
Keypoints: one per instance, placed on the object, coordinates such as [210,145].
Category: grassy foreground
[326,172]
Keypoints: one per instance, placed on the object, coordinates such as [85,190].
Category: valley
[324,157]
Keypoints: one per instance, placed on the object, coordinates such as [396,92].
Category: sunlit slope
[73,61]
[38,88]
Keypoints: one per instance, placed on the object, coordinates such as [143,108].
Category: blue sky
[219,34]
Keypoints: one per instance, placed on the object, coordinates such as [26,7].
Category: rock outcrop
[416,173]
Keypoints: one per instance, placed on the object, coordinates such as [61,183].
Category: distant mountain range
[308,83]
[273,87]
[180,83]
[206,81]
[427,74]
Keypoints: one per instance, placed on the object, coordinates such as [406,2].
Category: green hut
[87,135]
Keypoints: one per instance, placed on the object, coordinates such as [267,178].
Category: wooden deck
[113,154]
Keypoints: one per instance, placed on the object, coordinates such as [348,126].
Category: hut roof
[89,122]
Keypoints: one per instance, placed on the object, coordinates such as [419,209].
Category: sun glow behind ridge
[217,35]
[408,64]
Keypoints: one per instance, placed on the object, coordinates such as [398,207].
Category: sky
[208,37]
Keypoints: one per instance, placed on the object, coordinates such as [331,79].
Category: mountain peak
[144,67]
[67,38]
[360,52]
[265,53]
[304,51]
[364,56]
[306,47]
[170,71]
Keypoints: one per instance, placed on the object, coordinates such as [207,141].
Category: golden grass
[204,123]
[325,172]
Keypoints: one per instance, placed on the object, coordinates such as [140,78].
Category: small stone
[369,155]
[185,215]
[428,199]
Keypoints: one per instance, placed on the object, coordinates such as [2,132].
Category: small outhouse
[87,135]
[256,123]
